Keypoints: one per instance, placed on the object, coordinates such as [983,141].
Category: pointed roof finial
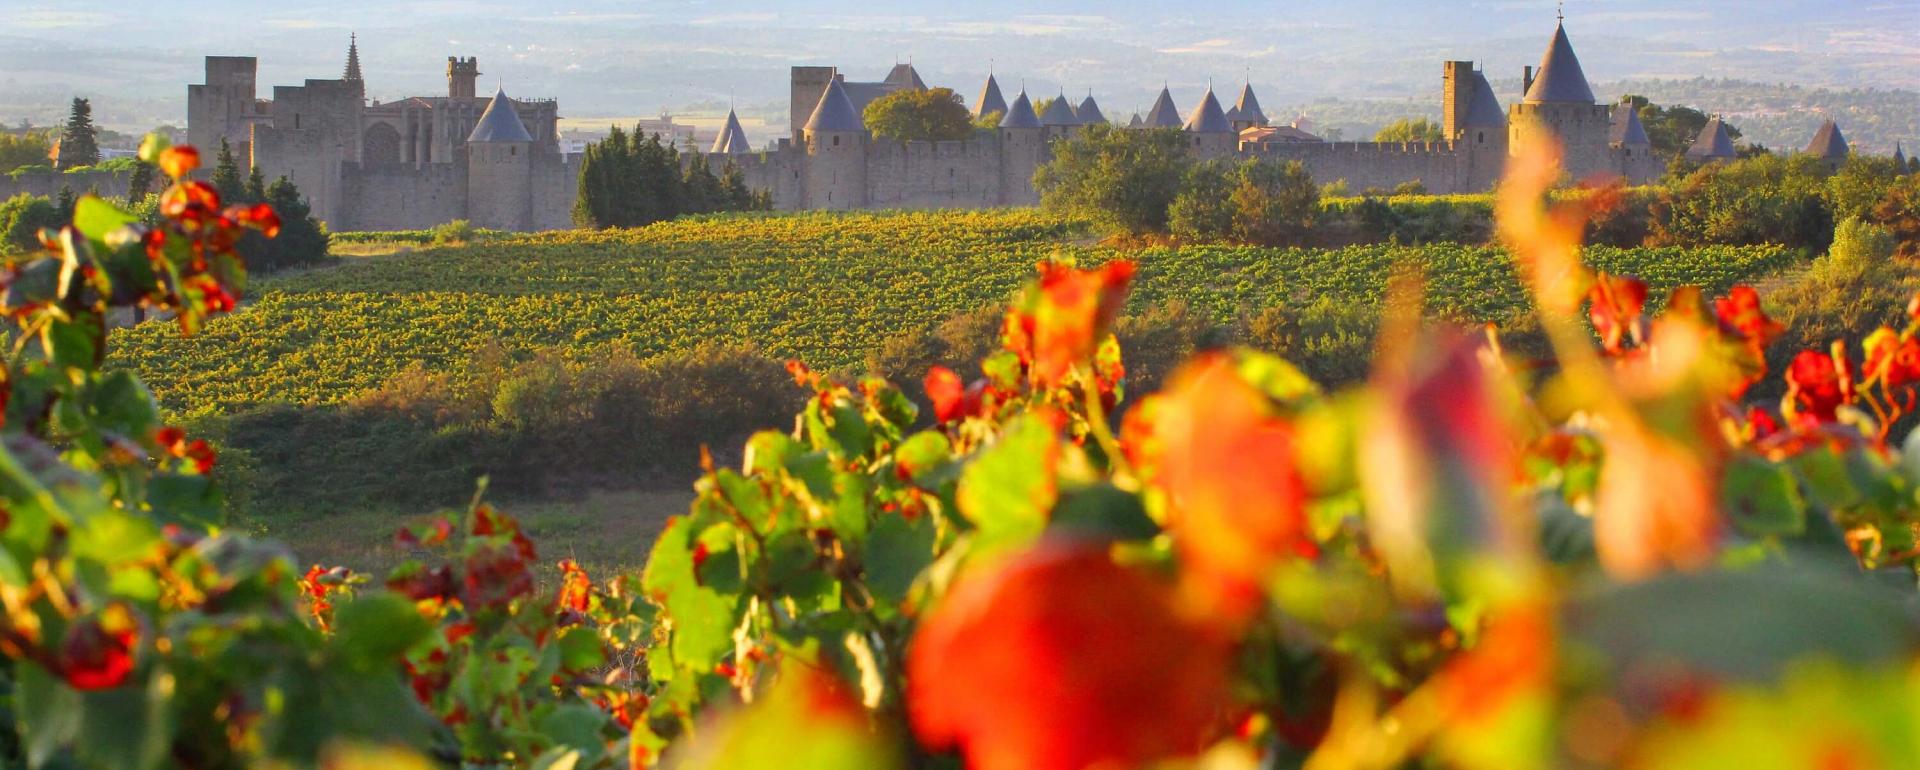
[1560,12]
[353,57]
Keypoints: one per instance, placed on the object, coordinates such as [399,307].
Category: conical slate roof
[732,140]
[1483,108]
[1136,122]
[1899,155]
[1059,113]
[353,58]
[1163,114]
[990,100]
[1828,143]
[1088,112]
[1714,143]
[835,111]
[1208,118]
[1560,78]
[500,122]
[1247,109]
[1627,128]
[1020,115]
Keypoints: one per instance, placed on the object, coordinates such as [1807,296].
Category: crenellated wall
[1442,168]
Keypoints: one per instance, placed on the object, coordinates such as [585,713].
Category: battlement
[462,72]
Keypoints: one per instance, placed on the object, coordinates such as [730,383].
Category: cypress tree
[140,183]
[256,187]
[226,175]
[63,205]
[79,141]
[701,189]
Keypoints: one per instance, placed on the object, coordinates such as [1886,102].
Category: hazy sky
[603,58]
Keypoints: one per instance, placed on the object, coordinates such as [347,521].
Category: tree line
[634,179]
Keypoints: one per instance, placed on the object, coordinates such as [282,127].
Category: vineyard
[1637,558]
[822,288]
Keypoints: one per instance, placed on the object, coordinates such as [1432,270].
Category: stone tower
[1058,118]
[836,142]
[1830,146]
[1631,146]
[461,74]
[1213,136]
[1559,106]
[1023,147]
[1474,125]
[225,106]
[805,87]
[500,169]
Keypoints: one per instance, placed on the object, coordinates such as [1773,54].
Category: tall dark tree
[226,174]
[140,183]
[302,239]
[256,189]
[79,141]
[702,192]
[63,205]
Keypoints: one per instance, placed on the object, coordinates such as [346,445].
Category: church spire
[353,57]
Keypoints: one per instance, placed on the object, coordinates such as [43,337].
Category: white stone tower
[500,169]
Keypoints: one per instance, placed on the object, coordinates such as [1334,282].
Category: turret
[836,142]
[990,101]
[1899,159]
[1559,107]
[353,58]
[1023,147]
[1163,114]
[500,168]
[1246,112]
[1714,143]
[1089,111]
[1059,118]
[732,139]
[1213,136]
[461,74]
[1632,148]
[1829,145]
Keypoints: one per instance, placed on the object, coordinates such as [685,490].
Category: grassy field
[277,382]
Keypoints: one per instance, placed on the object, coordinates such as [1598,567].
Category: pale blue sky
[629,58]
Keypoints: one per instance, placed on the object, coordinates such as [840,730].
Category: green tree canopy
[79,145]
[1672,129]
[25,149]
[1254,201]
[935,114]
[1121,180]
[635,179]
[1411,130]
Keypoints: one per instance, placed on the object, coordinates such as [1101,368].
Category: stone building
[406,164]
[829,160]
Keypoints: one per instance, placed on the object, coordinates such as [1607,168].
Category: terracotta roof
[990,100]
[500,123]
[1828,143]
[1560,78]
[732,140]
[1258,134]
[835,111]
[1020,115]
[1208,118]
[1163,114]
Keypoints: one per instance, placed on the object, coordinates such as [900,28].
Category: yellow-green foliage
[825,288]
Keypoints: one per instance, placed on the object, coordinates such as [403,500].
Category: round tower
[1213,135]
[500,169]
[1023,147]
[836,140]
[1559,106]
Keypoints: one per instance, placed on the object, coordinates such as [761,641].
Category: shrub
[1121,180]
[21,219]
[456,231]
